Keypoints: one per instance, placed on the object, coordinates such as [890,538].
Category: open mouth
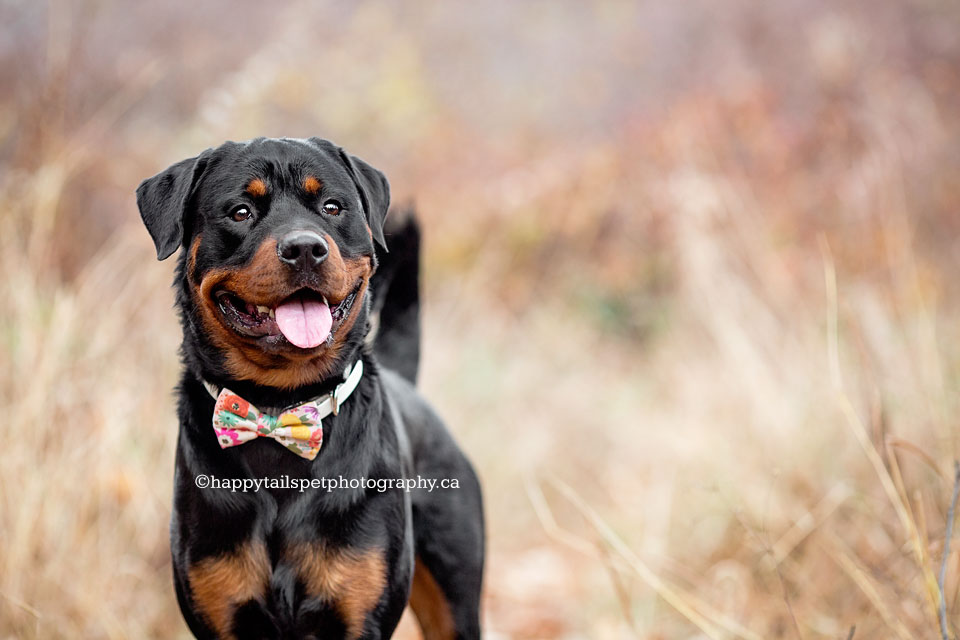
[306,319]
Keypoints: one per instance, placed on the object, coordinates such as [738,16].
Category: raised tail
[395,296]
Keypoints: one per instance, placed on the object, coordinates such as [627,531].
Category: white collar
[327,404]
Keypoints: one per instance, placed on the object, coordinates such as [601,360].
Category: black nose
[302,249]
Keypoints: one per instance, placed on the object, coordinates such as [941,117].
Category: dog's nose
[302,249]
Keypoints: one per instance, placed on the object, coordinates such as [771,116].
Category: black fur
[164,201]
[396,299]
[384,430]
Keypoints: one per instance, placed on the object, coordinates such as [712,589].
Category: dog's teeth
[272,313]
[324,298]
[262,309]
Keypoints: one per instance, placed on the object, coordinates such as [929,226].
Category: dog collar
[298,427]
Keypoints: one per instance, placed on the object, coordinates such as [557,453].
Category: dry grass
[697,330]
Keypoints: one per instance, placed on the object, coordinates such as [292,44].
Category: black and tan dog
[278,286]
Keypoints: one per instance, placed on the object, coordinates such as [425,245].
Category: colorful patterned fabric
[298,429]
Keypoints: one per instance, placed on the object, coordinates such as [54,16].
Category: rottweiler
[302,500]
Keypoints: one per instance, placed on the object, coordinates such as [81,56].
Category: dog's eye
[331,207]
[240,213]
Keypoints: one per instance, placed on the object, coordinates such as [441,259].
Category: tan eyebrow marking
[311,185]
[257,188]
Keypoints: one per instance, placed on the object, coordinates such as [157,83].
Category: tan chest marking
[351,580]
[220,584]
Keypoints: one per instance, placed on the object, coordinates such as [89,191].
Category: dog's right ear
[164,200]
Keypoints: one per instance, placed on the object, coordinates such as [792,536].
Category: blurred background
[691,294]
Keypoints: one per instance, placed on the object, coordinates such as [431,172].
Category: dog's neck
[332,399]
[269,397]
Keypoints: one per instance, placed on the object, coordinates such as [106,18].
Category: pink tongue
[304,322]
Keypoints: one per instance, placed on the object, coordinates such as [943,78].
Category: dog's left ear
[164,200]
[374,193]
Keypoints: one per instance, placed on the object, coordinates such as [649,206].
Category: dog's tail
[395,296]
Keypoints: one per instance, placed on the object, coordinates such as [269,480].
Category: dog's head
[278,238]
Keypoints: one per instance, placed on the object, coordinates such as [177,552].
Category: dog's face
[278,237]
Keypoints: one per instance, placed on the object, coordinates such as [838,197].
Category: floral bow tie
[237,421]
[299,428]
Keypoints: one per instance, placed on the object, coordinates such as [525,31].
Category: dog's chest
[296,586]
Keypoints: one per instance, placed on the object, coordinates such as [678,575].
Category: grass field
[692,303]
